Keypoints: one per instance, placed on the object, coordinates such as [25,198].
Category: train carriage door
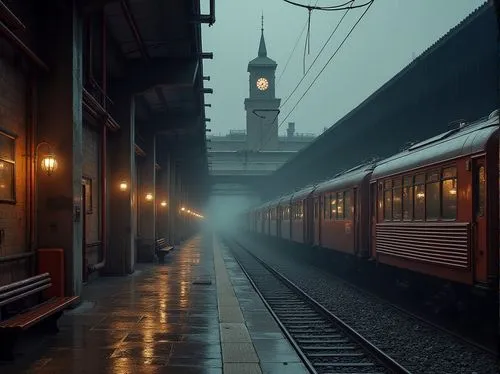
[355,219]
[373,218]
[309,221]
[479,226]
[316,220]
[278,221]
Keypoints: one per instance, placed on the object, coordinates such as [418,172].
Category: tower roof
[262,60]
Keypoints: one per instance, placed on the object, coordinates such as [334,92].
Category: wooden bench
[44,314]
[162,248]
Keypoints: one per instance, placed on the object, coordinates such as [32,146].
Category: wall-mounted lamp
[163,203]
[48,163]
[123,186]
[149,196]
[183,209]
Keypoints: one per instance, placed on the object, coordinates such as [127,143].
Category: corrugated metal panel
[440,244]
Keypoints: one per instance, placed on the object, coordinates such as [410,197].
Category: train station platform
[196,313]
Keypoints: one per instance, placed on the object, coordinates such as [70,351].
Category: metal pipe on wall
[4,29]
[103,152]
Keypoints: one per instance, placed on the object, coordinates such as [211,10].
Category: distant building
[258,150]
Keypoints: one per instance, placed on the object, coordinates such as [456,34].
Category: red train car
[301,215]
[435,206]
[341,211]
[432,209]
[274,219]
[284,212]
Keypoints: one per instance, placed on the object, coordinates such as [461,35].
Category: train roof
[303,193]
[465,140]
[347,178]
[286,198]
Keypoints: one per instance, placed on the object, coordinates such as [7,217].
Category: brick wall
[13,110]
[91,170]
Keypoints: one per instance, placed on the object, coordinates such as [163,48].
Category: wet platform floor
[197,313]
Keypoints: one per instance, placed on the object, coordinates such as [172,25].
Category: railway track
[323,341]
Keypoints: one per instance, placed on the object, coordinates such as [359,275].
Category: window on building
[333,206]
[348,205]
[340,205]
[388,200]
[7,167]
[432,196]
[449,193]
[408,198]
[419,197]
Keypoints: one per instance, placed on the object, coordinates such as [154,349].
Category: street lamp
[48,162]
[163,203]
[149,196]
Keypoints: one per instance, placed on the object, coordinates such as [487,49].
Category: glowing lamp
[149,196]
[183,209]
[123,186]
[453,191]
[163,203]
[49,164]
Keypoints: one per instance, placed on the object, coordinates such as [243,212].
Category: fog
[224,212]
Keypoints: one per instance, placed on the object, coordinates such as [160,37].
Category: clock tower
[262,105]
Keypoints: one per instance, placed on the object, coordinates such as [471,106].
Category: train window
[449,193]
[396,200]
[333,206]
[419,197]
[481,178]
[388,201]
[348,205]
[326,207]
[432,198]
[408,199]
[340,205]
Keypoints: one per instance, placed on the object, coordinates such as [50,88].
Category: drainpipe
[104,194]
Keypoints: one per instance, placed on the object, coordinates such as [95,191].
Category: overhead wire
[317,56]
[294,47]
[329,60]
[368,5]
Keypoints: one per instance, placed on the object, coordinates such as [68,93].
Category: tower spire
[262,45]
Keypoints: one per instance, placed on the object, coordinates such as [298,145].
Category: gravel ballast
[409,341]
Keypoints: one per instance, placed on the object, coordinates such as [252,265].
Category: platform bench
[44,314]
[162,248]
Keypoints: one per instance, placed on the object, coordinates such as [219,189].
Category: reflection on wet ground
[165,319]
[153,321]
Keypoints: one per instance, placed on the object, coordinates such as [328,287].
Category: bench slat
[18,297]
[40,312]
[23,282]
[7,295]
[166,249]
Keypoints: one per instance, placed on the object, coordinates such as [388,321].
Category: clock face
[262,84]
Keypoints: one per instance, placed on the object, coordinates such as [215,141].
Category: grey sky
[381,45]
